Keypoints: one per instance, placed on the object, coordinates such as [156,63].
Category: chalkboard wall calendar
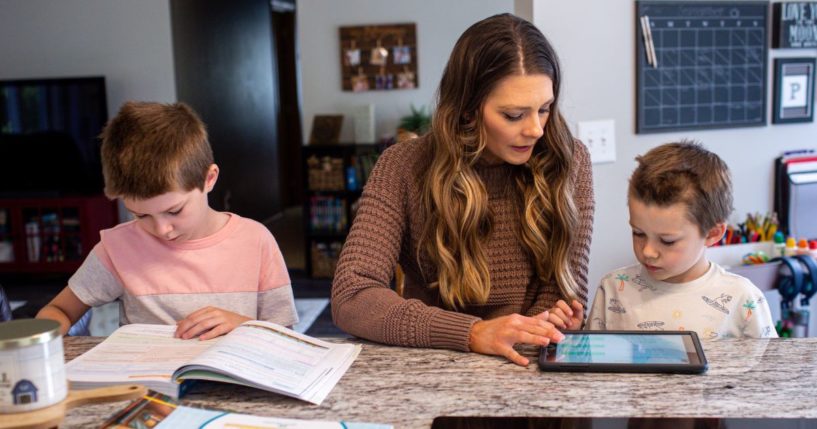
[709,69]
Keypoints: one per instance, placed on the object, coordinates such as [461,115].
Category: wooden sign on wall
[379,57]
[795,25]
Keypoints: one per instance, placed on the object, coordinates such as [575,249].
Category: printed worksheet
[258,354]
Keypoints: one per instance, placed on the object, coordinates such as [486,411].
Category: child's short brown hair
[149,149]
[685,172]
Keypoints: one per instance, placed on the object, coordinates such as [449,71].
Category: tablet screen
[625,349]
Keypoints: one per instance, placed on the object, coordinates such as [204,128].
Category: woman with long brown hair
[489,215]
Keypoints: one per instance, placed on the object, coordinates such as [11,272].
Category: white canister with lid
[32,365]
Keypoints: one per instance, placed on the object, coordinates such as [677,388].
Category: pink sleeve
[273,268]
[104,258]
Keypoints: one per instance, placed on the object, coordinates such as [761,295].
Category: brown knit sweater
[386,231]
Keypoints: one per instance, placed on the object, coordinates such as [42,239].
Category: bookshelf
[51,235]
[335,175]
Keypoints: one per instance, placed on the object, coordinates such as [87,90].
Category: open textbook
[158,411]
[256,354]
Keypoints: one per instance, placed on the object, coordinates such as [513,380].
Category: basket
[325,258]
[325,174]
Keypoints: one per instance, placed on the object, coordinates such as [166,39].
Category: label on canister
[32,365]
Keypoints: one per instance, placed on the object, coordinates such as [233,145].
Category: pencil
[644,35]
[651,42]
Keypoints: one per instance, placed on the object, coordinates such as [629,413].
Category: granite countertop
[409,387]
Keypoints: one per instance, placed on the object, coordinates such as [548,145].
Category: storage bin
[764,276]
[325,258]
[325,174]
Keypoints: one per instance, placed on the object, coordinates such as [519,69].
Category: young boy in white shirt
[679,198]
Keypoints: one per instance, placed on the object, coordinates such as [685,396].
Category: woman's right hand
[498,336]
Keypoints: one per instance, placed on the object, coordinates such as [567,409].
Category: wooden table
[409,387]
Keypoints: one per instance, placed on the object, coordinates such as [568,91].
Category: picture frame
[372,57]
[794,25]
[325,129]
[405,80]
[360,83]
[352,57]
[402,54]
[379,56]
[793,90]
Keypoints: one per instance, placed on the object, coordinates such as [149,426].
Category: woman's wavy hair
[455,202]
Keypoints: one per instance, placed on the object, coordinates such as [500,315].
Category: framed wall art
[793,90]
[325,129]
[794,25]
[379,57]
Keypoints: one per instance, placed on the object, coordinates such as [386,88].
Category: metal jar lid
[15,334]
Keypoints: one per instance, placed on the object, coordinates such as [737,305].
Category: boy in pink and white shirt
[179,262]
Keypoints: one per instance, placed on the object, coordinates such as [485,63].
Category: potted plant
[417,122]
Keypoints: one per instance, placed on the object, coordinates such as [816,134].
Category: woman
[489,215]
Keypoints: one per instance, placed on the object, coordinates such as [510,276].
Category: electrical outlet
[600,139]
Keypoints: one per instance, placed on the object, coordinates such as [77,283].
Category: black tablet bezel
[690,368]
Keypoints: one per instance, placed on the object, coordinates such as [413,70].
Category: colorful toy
[753,258]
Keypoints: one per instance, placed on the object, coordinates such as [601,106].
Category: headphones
[799,279]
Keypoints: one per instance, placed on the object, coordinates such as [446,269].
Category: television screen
[49,135]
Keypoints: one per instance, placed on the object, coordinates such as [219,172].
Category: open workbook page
[271,357]
[257,354]
[141,354]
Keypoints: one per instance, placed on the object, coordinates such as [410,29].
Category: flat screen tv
[49,136]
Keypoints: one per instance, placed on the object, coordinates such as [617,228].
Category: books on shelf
[258,354]
[329,174]
[327,214]
[159,411]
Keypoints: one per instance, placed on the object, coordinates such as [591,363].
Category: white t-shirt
[717,305]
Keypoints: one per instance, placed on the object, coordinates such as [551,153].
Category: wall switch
[600,139]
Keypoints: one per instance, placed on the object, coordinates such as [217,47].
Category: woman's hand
[498,336]
[207,323]
[564,317]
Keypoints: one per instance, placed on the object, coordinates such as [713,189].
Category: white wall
[439,24]
[128,42]
[594,39]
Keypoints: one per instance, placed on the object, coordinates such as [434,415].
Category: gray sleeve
[277,305]
[93,284]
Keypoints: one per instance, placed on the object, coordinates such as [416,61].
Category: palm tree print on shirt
[749,306]
[622,278]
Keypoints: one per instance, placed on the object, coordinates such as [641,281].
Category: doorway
[288,225]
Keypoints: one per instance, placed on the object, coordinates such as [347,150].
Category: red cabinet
[51,235]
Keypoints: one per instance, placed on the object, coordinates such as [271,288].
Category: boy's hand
[567,317]
[207,323]
[498,336]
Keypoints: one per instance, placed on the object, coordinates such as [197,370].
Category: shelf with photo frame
[334,179]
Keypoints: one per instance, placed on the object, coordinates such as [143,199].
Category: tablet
[625,351]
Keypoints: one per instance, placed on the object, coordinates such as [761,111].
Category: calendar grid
[711,66]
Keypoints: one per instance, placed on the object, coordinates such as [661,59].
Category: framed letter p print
[793,90]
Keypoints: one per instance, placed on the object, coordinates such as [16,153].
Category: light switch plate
[600,139]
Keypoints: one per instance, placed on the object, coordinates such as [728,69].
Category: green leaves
[419,121]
